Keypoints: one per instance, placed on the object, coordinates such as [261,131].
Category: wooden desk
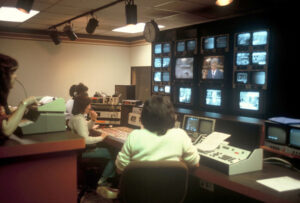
[44,170]
[244,184]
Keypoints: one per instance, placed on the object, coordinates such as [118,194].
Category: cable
[280,161]
[18,81]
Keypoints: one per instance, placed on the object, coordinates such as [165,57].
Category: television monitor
[161,89]
[157,48]
[166,48]
[191,45]
[294,137]
[184,68]
[221,41]
[276,133]
[243,39]
[157,62]
[249,100]
[259,38]
[258,78]
[157,76]
[213,97]
[242,58]
[166,62]
[241,77]
[213,67]
[207,125]
[191,124]
[165,76]
[180,47]
[185,95]
[155,88]
[208,43]
[167,89]
[259,58]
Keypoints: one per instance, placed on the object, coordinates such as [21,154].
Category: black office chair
[154,182]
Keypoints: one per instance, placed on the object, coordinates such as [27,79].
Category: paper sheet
[281,184]
[212,141]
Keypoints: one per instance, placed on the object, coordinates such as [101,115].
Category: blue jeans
[99,152]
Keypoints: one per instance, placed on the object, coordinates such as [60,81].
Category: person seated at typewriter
[75,90]
[158,140]
[79,125]
[9,122]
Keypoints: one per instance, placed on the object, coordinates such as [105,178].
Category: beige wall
[46,69]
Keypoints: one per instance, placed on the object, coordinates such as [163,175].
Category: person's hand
[28,101]
[104,135]
[93,115]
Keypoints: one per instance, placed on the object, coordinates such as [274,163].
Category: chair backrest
[154,182]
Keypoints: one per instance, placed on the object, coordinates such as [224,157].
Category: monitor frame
[211,80]
[274,124]
[176,95]
[199,118]
[215,49]
[202,98]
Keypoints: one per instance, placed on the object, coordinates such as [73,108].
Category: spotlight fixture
[91,26]
[69,32]
[223,2]
[131,12]
[54,36]
[24,5]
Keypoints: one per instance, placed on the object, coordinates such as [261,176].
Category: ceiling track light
[24,5]
[69,32]
[131,12]
[91,26]
[54,36]
[223,2]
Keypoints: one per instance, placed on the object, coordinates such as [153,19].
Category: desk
[45,170]
[244,184]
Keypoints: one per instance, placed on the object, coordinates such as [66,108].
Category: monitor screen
[166,62]
[249,100]
[191,124]
[209,43]
[166,77]
[276,134]
[184,68]
[191,45]
[259,78]
[243,39]
[168,89]
[206,126]
[243,58]
[260,38]
[157,49]
[241,77]
[221,42]
[157,62]
[259,58]
[213,67]
[157,76]
[167,48]
[185,95]
[295,137]
[180,46]
[155,88]
[161,89]
[213,97]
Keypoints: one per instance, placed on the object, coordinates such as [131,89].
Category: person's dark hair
[72,91]
[80,103]
[8,66]
[158,115]
[81,89]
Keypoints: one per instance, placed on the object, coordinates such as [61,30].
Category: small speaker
[91,26]
[131,14]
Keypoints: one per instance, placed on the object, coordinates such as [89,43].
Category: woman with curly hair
[9,123]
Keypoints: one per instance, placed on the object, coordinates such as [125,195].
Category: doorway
[141,78]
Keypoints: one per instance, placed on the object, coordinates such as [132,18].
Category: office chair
[154,182]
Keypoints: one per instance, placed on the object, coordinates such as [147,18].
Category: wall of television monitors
[208,73]
[251,59]
[161,68]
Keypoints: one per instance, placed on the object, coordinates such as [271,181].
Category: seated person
[9,122]
[158,141]
[79,125]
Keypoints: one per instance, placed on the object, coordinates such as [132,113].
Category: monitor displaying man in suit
[213,67]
